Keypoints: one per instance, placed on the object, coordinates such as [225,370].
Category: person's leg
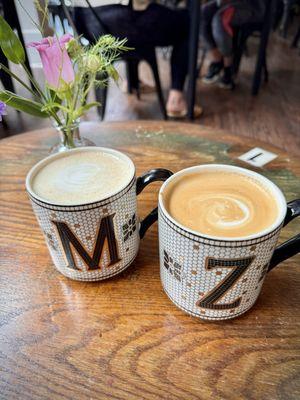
[224,22]
[176,104]
[155,26]
[179,65]
[166,27]
[223,34]
[208,11]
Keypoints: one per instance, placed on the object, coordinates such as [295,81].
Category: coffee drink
[220,203]
[82,177]
[218,227]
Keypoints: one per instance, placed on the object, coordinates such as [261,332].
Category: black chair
[262,30]
[288,12]
[296,38]
[56,12]
[132,60]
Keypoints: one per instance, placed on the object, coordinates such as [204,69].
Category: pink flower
[56,62]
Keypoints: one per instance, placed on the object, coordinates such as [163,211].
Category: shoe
[198,111]
[213,73]
[226,80]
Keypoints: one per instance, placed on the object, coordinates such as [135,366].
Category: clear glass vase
[69,138]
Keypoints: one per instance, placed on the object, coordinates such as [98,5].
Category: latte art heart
[221,203]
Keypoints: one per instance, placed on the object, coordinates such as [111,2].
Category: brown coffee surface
[222,204]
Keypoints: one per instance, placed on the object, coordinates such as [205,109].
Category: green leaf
[20,103]
[86,107]
[54,97]
[54,106]
[55,101]
[10,43]
[81,110]
[113,72]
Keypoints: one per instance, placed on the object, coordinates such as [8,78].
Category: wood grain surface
[122,338]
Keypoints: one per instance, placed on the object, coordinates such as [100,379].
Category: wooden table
[122,338]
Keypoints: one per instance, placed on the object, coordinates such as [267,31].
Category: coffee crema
[221,204]
[81,177]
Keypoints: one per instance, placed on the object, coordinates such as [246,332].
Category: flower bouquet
[70,70]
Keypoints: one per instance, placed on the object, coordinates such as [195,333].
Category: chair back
[76,20]
[68,16]
[102,26]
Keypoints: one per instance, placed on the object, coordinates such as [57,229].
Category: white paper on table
[258,157]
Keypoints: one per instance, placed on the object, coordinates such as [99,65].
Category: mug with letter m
[218,230]
[85,201]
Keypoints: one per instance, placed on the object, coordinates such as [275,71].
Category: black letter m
[105,232]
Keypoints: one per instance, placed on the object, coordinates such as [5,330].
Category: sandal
[198,111]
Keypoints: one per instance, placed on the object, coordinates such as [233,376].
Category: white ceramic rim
[34,170]
[281,201]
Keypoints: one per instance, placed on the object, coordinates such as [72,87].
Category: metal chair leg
[239,46]
[266,72]
[296,38]
[261,57]
[286,17]
[133,77]
[101,96]
[128,75]
[153,64]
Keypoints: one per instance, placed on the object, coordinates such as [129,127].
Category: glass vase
[69,138]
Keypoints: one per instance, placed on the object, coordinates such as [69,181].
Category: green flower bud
[92,62]
[73,48]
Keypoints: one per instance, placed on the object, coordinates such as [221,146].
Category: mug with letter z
[211,277]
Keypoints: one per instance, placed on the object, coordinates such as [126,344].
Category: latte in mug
[218,229]
[221,203]
[82,177]
[85,201]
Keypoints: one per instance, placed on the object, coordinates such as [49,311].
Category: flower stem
[39,91]
[69,137]
[34,82]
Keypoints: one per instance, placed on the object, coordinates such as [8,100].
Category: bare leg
[177,107]
[176,101]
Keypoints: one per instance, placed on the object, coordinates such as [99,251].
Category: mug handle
[154,175]
[292,246]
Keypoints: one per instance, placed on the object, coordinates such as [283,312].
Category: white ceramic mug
[98,240]
[215,278]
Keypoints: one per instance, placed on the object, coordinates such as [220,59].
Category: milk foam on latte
[81,177]
[221,203]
